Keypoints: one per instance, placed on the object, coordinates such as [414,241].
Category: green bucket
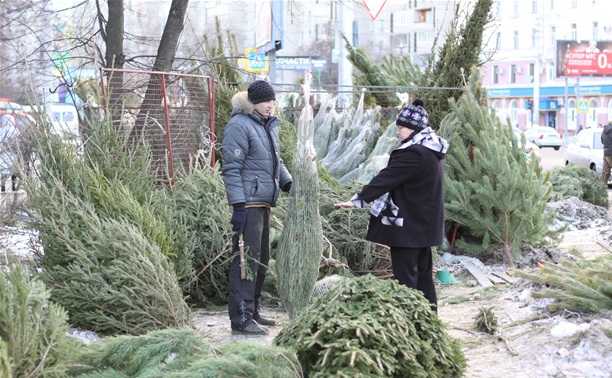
[445,277]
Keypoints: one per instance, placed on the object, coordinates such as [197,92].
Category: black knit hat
[413,116]
[261,91]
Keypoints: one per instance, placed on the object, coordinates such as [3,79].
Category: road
[552,158]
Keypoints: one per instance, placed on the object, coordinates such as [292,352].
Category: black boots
[251,327]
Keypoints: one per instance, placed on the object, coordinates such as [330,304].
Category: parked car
[19,120]
[543,136]
[64,119]
[586,150]
[529,146]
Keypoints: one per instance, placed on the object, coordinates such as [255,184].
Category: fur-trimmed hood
[241,104]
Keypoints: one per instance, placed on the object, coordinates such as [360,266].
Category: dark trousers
[244,295]
[413,267]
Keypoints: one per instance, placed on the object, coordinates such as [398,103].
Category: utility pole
[535,112]
[345,68]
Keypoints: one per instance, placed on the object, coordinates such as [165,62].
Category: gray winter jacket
[253,171]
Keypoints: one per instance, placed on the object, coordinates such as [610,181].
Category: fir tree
[393,71]
[34,339]
[494,195]
[459,55]
[107,258]
[301,242]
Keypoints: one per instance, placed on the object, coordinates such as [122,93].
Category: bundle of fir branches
[576,283]
[581,182]
[34,339]
[183,353]
[367,327]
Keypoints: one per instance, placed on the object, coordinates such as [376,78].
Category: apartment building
[525,75]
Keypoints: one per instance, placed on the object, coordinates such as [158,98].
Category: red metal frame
[211,86]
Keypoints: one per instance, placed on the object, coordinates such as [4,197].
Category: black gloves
[239,218]
[287,187]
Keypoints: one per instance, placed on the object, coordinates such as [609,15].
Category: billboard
[587,58]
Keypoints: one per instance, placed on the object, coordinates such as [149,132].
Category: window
[495,75]
[516,40]
[595,33]
[574,4]
[550,71]
[552,4]
[531,72]
[553,35]
[516,8]
[498,41]
[592,116]
[513,73]
[534,7]
[513,112]
[534,37]
[574,35]
[498,8]
[67,116]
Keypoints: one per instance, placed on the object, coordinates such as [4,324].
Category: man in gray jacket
[254,174]
[606,139]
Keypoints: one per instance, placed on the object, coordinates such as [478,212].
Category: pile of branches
[183,353]
[371,327]
[576,283]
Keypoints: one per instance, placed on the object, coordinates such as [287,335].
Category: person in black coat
[606,140]
[407,213]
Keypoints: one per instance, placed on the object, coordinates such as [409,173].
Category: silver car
[543,136]
[586,150]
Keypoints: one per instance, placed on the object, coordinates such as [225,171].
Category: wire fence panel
[173,112]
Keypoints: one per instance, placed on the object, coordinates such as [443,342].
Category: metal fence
[174,112]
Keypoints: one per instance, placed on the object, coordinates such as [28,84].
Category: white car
[529,146]
[543,136]
[586,150]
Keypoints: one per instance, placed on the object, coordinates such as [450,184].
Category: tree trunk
[509,256]
[115,57]
[151,107]
[301,243]
[165,55]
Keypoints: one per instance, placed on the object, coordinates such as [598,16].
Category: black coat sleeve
[404,165]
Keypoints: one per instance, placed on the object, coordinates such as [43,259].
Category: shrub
[33,331]
[372,327]
[581,182]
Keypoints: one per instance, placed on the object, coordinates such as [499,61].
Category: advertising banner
[588,58]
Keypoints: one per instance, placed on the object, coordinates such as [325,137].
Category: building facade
[312,28]
[524,75]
